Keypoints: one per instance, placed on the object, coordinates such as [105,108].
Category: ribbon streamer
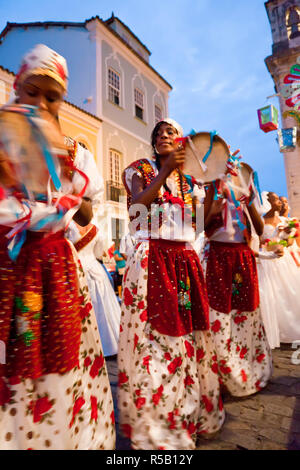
[212,135]
[256,184]
[196,155]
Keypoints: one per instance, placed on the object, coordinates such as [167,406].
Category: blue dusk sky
[212,53]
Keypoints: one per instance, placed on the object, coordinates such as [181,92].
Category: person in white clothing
[279,282]
[127,245]
[89,245]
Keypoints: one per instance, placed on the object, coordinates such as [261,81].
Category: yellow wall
[74,122]
[74,126]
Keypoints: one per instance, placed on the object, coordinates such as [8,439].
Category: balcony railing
[114,191]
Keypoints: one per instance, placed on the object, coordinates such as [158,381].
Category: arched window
[293,22]
[139,103]
[157,113]
[115,188]
[114,87]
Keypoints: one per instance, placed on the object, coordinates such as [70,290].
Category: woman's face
[41,91]
[275,201]
[165,139]
[284,205]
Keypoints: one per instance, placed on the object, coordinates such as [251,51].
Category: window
[157,114]
[114,187]
[139,103]
[293,22]
[115,166]
[117,229]
[113,87]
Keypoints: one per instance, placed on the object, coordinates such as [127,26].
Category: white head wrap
[42,60]
[175,125]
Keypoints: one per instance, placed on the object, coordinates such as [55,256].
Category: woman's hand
[7,176]
[279,251]
[217,207]
[85,213]
[175,160]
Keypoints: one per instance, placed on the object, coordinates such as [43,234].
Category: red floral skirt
[177,296]
[40,321]
[231,277]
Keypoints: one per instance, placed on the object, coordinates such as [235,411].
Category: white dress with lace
[279,285]
[104,300]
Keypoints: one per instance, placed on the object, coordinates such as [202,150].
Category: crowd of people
[194,324]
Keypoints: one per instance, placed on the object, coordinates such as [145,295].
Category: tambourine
[29,142]
[243,181]
[206,155]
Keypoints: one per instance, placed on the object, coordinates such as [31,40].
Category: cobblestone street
[268,420]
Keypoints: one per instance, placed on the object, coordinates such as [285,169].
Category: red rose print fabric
[40,310]
[177,297]
[68,411]
[243,357]
[231,277]
[167,392]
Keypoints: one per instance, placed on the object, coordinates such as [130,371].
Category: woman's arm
[118,258]
[211,207]
[256,219]
[147,196]
[85,213]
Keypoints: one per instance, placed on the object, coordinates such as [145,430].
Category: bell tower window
[293,22]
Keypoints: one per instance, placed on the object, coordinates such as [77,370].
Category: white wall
[74,43]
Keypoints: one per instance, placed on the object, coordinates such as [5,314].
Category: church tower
[284,17]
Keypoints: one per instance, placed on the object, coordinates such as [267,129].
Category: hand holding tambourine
[27,140]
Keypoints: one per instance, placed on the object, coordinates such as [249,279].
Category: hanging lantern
[287,139]
[268,118]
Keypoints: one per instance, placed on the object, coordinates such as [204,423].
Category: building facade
[284,17]
[115,95]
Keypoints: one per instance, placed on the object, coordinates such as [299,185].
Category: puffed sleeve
[85,162]
[99,246]
[129,172]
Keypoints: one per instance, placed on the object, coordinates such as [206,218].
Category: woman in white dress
[54,387]
[89,245]
[169,394]
[294,248]
[243,354]
[279,282]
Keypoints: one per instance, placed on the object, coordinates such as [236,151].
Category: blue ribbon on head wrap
[212,135]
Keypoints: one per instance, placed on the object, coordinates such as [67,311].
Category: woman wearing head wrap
[88,242]
[279,276]
[243,353]
[168,394]
[54,389]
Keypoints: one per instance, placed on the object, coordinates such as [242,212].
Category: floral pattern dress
[168,392]
[244,359]
[62,411]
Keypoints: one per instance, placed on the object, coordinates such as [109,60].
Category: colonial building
[284,17]
[115,96]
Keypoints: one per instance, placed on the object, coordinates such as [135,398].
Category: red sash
[231,277]
[86,239]
[177,297]
[39,307]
